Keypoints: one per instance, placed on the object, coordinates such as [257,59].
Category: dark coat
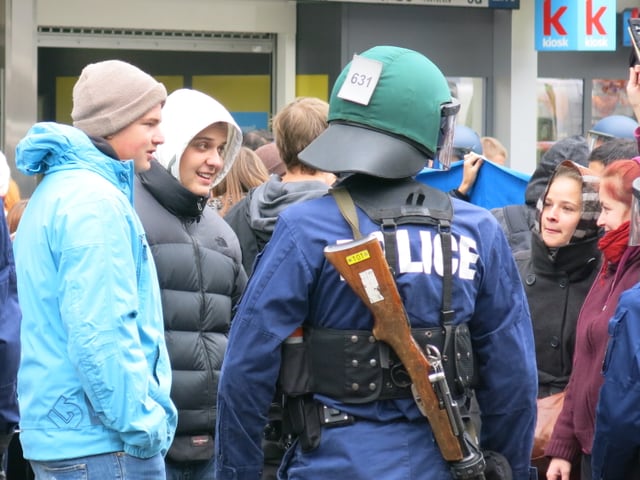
[556,288]
[201,277]
[574,430]
[10,317]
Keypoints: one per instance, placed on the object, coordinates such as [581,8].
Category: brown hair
[296,126]
[248,171]
[14,214]
[13,195]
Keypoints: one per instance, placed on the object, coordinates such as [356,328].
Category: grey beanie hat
[112,94]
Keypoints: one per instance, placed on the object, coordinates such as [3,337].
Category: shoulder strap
[348,209]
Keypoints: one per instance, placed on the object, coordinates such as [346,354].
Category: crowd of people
[171,306]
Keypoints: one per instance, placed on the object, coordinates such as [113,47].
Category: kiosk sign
[575,25]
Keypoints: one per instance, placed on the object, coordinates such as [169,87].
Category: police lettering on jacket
[429,261]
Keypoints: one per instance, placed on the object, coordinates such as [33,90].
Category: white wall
[268,16]
[255,16]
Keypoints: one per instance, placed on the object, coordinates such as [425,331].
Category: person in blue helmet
[465,140]
[300,326]
[607,128]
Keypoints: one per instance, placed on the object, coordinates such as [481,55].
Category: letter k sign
[594,20]
[553,19]
[575,25]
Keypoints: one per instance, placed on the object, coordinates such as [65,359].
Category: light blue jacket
[94,375]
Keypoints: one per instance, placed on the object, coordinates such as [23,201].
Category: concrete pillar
[284,77]
[19,79]
[515,108]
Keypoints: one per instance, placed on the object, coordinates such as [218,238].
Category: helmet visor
[634,235]
[445,154]
[595,139]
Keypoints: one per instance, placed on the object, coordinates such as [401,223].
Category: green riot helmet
[390,112]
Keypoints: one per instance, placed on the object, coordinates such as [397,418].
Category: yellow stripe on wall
[313,86]
[64,101]
[171,82]
[238,93]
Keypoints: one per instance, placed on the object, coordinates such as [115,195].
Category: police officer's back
[352,414]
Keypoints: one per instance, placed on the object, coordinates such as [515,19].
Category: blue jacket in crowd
[9,334]
[94,375]
[617,437]
[293,284]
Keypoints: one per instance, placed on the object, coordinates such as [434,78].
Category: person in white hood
[199,265]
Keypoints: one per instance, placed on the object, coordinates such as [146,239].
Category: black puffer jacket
[517,220]
[199,266]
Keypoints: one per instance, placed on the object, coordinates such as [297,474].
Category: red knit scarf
[614,243]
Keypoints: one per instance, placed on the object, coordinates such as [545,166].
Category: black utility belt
[351,366]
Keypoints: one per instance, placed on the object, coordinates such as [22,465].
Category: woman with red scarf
[574,430]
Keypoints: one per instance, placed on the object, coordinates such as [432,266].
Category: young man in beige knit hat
[122,104]
[94,377]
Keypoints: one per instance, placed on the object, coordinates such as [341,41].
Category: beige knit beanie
[112,94]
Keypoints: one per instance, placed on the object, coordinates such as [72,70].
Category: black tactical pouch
[302,421]
[295,376]
[465,374]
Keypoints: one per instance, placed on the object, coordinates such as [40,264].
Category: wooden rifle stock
[364,267]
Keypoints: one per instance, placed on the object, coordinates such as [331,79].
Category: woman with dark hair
[557,273]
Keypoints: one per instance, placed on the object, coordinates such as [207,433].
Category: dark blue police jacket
[10,318]
[293,284]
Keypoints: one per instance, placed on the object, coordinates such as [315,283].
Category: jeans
[112,466]
[204,470]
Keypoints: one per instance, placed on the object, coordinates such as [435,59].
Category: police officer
[390,112]
[608,128]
